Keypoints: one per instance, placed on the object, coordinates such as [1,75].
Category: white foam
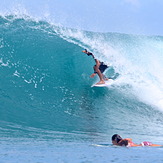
[139,63]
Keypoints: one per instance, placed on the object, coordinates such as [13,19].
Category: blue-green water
[50,113]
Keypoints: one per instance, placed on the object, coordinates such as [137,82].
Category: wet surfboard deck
[107,83]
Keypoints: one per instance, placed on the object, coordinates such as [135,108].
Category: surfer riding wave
[99,68]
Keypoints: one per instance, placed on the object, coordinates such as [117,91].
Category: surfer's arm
[129,139]
[96,60]
[92,75]
[92,55]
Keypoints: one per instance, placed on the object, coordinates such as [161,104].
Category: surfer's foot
[105,78]
[101,82]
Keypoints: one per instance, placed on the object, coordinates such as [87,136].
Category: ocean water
[50,113]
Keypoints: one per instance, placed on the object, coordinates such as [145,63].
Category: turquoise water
[50,113]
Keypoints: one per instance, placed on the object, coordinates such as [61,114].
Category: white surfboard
[107,83]
[102,145]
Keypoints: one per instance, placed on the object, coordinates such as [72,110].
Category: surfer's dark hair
[116,138]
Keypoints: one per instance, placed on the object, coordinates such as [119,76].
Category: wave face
[45,80]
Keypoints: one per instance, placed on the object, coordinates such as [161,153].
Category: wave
[45,77]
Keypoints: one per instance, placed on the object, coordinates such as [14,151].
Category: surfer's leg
[146,143]
[102,68]
[96,69]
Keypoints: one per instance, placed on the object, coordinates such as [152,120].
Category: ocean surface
[49,113]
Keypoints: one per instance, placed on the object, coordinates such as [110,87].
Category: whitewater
[50,113]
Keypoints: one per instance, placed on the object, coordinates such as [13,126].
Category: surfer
[99,68]
[117,140]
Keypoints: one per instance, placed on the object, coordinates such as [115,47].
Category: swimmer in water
[117,140]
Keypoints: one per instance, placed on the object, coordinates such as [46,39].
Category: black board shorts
[102,67]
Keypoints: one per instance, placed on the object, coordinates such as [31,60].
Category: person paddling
[117,140]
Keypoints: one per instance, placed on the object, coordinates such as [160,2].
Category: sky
[123,16]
